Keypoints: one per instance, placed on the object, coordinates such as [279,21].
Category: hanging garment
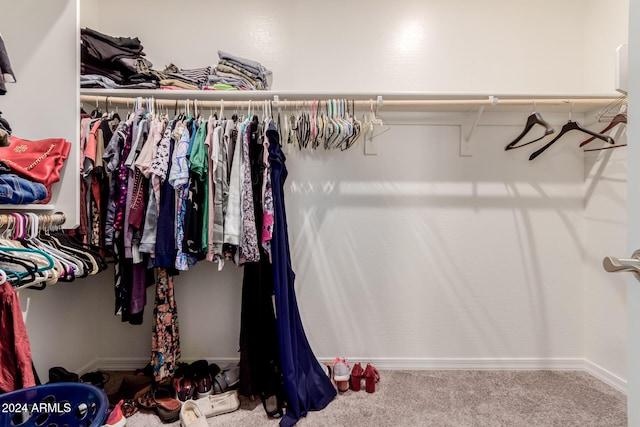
[15,352]
[260,372]
[249,251]
[165,336]
[307,386]
[6,71]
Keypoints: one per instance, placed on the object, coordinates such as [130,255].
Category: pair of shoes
[116,417]
[370,375]
[192,381]
[97,378]
[194,413]
[58,374]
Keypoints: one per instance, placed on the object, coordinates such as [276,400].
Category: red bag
[40,161]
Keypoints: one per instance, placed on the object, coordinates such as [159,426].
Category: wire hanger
[534,119]
[569,126]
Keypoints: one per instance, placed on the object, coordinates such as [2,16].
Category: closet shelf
[429,101]
[30,207]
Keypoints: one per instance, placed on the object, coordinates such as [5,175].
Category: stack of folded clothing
[234,72]
[176,78]
[114,62]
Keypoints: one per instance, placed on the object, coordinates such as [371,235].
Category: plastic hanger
[568,127]
[534,119]
[618,119]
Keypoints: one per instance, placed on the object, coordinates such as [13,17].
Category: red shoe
[356,377]
[116,418]
[371,376]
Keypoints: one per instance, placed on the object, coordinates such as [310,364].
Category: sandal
[146,401]
[167,408]
[128,408]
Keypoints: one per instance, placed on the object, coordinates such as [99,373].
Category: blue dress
[307,386]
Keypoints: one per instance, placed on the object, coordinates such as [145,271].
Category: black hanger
[569,126]
[532,120]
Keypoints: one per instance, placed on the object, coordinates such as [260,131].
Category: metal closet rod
[360,103]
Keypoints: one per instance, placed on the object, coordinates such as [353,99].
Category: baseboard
[409,364]
[133,363]
[606,376]
[92,366]
[566,364]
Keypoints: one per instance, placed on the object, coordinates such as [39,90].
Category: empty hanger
[534,119]
[620,118]
[569,126]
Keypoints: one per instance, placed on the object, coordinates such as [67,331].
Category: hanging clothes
[307,386]
[16,370]
[260,372]
[165,338]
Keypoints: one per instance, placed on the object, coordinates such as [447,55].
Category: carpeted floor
[453,398]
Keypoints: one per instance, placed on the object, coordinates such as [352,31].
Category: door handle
[615,265]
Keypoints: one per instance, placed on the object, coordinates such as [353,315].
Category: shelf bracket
[466,133]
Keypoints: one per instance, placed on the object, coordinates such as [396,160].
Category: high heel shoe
[356,377]
[371,376]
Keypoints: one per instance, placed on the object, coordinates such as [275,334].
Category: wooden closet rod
[44,220]
[360,103]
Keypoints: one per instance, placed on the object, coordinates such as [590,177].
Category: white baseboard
[133,363]
[565,364]
[409,364]
[606,376]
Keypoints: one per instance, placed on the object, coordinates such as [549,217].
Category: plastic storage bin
[54,405]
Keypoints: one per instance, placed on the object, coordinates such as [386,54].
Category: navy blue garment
[165,235]
[306,384]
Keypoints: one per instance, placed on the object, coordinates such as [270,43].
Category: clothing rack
[44,220]
[296,100]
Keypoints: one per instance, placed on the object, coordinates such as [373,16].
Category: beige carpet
[454,398]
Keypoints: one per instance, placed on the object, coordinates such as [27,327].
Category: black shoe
[96,378]
[59,374]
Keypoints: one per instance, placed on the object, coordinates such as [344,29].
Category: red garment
[16,370]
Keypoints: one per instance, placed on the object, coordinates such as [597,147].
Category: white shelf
[30,207]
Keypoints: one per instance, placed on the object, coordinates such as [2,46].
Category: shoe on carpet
[231,375]
[192,416]
[341,373]
[58,374]
[356,377]
[217,404]
[97,378]
[371,377]
[131,387]
[116,418]
[201,378]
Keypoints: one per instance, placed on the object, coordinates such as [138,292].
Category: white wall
[605,225]
[42,43]
[416,254]
[493,46]
[41,40]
